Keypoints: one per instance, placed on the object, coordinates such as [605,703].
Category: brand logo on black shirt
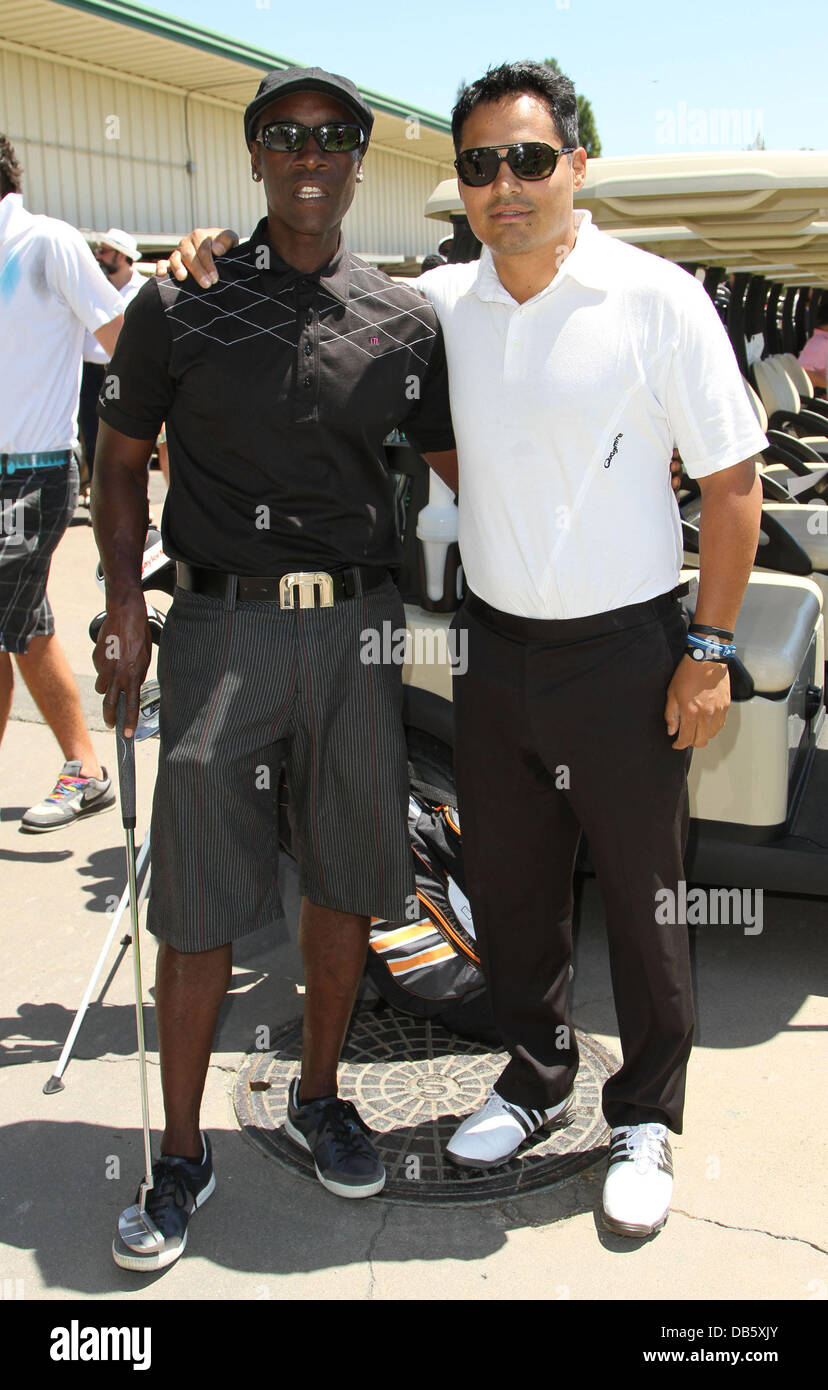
[613,450]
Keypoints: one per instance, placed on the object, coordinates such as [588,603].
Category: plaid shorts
[244,690]
[36,506]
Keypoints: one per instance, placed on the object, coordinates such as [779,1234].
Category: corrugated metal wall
[387,212]
[102,150]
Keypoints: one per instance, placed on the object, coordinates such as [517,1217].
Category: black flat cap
[282,81]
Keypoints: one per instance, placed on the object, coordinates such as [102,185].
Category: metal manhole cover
[413,1082]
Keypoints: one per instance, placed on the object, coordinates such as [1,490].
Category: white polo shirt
[51,291]
[565,411]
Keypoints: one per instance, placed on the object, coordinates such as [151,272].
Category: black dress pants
[91,382]
[559,728]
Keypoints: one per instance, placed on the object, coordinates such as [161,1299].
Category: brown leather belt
[296,588]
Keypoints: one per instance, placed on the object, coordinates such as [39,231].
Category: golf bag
[430,967]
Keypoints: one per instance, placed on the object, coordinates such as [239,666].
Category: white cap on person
[121,241]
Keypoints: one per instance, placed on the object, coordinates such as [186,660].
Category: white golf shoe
[496,1131]
[639,1181]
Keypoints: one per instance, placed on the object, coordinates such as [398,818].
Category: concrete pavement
[750,1212]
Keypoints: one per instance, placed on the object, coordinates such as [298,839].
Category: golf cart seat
[784,408]
[774,628]
[749,776]
[807,524]
[802,384]
[787,461]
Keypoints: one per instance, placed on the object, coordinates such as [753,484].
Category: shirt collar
[585,263]
[334,278]
[13,215]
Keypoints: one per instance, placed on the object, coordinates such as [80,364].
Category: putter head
[148,711]
[139,1232]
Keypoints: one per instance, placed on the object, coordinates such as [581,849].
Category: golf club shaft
[126,775]
[139,1014]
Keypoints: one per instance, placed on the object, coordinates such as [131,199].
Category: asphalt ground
[747,1238]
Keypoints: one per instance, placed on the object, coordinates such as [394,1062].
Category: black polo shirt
[278,389]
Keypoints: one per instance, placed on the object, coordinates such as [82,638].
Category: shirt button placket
[306,361]
[512,354]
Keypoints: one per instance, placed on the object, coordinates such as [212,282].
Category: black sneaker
[180,1187]
[345,1160]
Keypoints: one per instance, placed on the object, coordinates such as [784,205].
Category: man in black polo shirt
[278,387]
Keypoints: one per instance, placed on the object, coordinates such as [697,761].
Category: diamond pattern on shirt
[236,310]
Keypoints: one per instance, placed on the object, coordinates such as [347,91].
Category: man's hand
[122,657]
[698,698]
[675,470]
[195,253]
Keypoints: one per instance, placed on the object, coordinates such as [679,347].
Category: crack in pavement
[130,1059]
[372,1247]
[749,1230]
[150,1061]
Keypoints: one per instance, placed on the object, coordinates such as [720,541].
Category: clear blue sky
[661,77]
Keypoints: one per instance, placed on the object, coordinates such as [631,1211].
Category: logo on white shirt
[613,450]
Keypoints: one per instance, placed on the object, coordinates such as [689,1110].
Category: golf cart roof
[740,209]
[791,184]
[796,259]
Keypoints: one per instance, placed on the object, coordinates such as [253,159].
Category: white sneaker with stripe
[496,1131]
[639,1181]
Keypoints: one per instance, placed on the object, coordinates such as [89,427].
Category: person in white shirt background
[117,254]
[51,292]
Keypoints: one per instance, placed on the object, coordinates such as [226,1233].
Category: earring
[255,175]
[359,177]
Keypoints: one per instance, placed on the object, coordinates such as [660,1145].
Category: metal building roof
[130,39]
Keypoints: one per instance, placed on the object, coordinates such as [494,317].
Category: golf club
[136,1230]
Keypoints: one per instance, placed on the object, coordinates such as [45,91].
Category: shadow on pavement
[59,1203]
[22,856]
[748,988]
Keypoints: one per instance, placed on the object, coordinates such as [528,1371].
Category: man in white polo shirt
[51,291]
[575,363]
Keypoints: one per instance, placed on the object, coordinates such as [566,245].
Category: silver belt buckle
[306,583]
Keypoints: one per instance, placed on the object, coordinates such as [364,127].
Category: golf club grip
[126,766]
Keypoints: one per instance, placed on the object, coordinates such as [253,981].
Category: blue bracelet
[703,649]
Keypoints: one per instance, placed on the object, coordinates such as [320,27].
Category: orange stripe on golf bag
[402,967]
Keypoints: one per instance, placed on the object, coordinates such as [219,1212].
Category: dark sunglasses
[527,160]
[288,137]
